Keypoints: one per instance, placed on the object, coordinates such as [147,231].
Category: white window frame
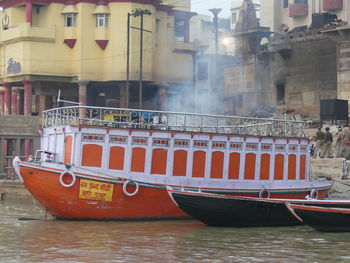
[101,20]
[72,17]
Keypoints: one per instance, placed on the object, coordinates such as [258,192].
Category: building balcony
[26,32]
[184,47]
[332,5]
[298,10]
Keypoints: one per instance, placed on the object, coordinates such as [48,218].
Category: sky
[202,6]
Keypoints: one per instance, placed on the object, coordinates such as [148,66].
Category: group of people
[324,144]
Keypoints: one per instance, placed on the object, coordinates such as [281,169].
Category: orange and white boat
[106,163]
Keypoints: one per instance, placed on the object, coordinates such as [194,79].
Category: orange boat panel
[64,202]
[159,161]
[180,163]
[217,165]
[292,165]
[198,167]
[68,150]
[302,167]
[92,155]
[234,164]
[249,170]
[138,160]
[279,167]
[116,158]
[265,167]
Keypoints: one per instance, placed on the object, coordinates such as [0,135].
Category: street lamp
[136,13]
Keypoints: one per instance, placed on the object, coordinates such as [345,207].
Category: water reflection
[167,241]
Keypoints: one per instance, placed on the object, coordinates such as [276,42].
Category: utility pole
[135,13]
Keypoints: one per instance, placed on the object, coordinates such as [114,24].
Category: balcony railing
[172,121]
[298,10]
[332,5]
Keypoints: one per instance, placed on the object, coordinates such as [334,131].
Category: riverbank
[321,169]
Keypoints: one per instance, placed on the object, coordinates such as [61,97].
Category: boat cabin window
[292,165]
[234,166]
[198,166]
[92,155]
[303,167]
[68,150]
[138,160]
[249,170]
[265,167]
[159,161]
[279,167]
[217,165]
[116,158]
[180,163]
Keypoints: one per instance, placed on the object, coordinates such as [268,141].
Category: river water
[158,241]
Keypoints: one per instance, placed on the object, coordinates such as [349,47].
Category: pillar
[27,97]
[14,102]
[19,102]
[42,104]
[29,7]
[7,98]
[17,147]
[2,154]
[82,96]
[2,102]
[27,148]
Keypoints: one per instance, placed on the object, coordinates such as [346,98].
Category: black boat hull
[325,219]
[234,212]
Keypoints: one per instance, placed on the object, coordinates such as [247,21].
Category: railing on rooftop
[172,121]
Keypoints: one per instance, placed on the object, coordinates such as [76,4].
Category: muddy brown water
[158,241]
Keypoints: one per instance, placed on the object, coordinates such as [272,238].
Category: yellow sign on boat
[97,191]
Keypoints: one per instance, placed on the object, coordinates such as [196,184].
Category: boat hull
[85,200]
[229,211]
[324,219]
[150,202]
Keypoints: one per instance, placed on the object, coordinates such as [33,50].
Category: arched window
[233,172]
[292,167]
[279,167]
[249,170]
[116,158]
[265,167]
[92,155]
[68,150]
[159,161]
[198,167]
[217,165]
[180,163]
[138,160]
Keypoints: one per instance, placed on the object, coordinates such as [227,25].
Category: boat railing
[172,121]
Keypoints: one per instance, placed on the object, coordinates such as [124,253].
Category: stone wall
[309,74]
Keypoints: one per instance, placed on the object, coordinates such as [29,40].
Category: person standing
[327,146]
[319,142]
[339,143]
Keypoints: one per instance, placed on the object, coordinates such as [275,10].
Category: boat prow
[324,219]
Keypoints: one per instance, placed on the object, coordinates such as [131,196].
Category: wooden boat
[107,163]
[223,210]
[325,219]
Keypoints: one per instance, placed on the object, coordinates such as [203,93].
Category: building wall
[45,53]
[274,14]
